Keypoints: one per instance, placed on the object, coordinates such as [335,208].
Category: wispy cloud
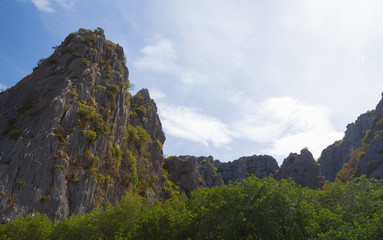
[157,95]
[285,124]
[159,57]
[47,5]
[193,125]
[43,5]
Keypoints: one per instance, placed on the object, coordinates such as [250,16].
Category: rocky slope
[73,138]
[336,155]
[360,152]
[302,168]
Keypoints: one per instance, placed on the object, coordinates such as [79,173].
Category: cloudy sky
[231,78]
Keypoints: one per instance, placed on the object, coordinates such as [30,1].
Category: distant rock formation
[259,166]
[189,172]
[302,168]
[73,138]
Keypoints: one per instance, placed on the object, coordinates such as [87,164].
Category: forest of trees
[252,209]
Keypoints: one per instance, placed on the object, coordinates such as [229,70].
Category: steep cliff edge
[336,155]
[73,138]
[360,152]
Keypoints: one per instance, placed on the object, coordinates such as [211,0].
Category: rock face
[189,172]
[259,166]
[360,152]
[302,168]
[73,138]
[336,155]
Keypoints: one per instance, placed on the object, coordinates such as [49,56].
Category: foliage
[251,209]
[89,39]
[15,135]
[89,115]
[112,92]
[137,136]
[28,228]
[25,106]
[59,167]
[90,135]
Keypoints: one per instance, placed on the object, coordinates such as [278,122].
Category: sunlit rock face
[72,136]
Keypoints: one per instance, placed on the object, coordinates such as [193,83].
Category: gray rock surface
[336,155]
[260,166]
[360,152]
[302,168]
[189,172]
[72,138]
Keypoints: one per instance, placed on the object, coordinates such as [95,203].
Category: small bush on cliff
[90,135]
[25,106]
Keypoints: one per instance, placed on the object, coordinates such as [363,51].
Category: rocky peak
[72,136]
[336,155]
[302,168]
[367,157]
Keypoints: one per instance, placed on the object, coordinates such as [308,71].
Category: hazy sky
[231,78]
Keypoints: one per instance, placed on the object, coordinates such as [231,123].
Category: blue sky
[231,78]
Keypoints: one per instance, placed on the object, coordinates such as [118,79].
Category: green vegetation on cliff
[252,209]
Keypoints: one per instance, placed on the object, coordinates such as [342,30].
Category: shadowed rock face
[260,166]
[72,137]
[189,172]
[336,155]
[360,152]
[302,168]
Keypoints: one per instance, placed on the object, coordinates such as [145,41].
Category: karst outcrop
[302,168]
[360,152]
[72,136]
[189,172]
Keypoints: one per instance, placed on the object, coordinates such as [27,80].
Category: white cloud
[282,124]
[68,4]
[43,5]
[191,124]
[46,5]
[159,57]
[194,78]
[157,95]
[285,124]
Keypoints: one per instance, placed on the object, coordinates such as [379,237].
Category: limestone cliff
[336,155]
[360,152]
[189,172]
[302,168]
[73,138]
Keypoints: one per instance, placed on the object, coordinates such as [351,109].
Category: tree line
[251,209]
